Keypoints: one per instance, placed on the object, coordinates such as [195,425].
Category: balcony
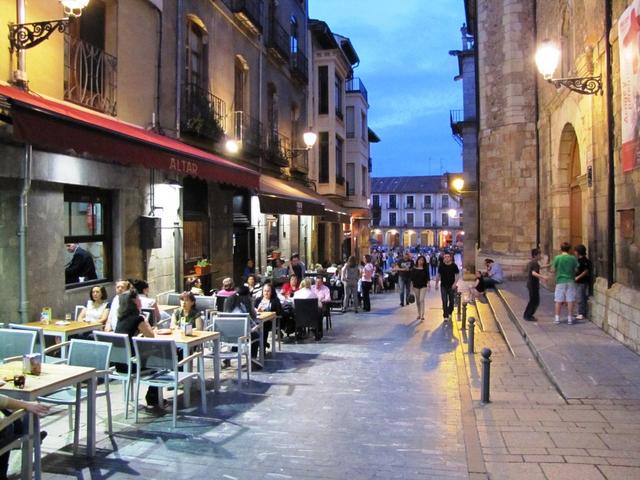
[427,206]
[248,131]
[410,206]
[278,41]
[278,149]
[392,206]
[248,13]
[202,113]
[90,76]
[355,85]
[300,67]
[458,120]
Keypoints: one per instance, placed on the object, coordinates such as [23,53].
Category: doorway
[575,200]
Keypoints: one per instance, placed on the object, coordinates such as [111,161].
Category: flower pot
[202,270]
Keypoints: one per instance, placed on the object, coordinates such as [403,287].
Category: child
[583,281]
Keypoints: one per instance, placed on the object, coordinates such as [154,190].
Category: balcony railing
[90,76]
[392,205]
[278,41]
[278,149]
[426,206]
[355,85]
[248,131]
[202,113]
[410,206]
[248,12]
[300,66]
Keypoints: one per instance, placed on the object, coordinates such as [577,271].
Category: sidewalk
[528,431]
[581,360]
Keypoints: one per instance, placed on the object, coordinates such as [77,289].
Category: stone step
[512,335]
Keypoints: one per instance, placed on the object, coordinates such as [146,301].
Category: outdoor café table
[264,317]
[52,378]
[187,343]
[63,329]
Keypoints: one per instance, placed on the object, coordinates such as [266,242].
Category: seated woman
[242,302]
[305,290]
[288,289]
[477,291]
[97,309]
[187,313]
[269,302]
[194,285]
[147,302]
[255,289]
[227,288]
[131,322]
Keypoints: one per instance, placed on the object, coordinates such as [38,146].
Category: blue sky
[406,67]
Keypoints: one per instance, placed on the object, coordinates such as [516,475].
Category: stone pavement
[529,431]
[376,398]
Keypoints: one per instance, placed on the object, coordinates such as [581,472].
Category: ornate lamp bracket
[582,85]
[28,35]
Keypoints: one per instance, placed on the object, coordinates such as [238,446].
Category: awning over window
[63,128]
[281,197]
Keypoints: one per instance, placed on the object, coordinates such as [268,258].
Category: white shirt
[113,313]
[305,293]
[92,313]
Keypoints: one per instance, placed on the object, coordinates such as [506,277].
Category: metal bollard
[486,373]
[472,334]
[458,302]
[464,315]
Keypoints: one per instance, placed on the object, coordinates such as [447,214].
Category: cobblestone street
[381,396]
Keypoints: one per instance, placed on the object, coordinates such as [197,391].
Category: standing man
[81,267]
[448,275]
[296,267]
[565,266]
[583,281]
[403,269]
[533,285]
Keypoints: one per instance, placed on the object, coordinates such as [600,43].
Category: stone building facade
[557,153]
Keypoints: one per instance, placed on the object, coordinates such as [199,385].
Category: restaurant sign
[629,35]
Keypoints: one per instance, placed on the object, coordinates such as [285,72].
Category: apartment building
[420,210]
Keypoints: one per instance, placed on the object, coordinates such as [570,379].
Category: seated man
[121,287]
[322,291]
[493,275]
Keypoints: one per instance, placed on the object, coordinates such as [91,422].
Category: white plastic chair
[161,358]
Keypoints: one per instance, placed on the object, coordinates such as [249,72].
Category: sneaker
[569,321]
[446,319]
[579,317]
[557,320]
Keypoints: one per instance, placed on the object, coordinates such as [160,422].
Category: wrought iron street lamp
[28,35]
[547,59]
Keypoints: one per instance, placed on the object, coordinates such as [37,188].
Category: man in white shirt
[121,287]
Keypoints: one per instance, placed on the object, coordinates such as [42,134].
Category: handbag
[411,298]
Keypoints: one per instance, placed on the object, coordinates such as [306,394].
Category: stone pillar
[507,139]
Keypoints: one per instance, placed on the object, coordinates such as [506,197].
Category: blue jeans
[582,296]
[448,299]
[405,289]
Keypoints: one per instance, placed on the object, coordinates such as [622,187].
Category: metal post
[260,271]
[486,373]
[464,315]
[458,303]
[472,332]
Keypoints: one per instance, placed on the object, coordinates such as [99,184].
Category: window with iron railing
[445,201]
[427,202]
[376,200]
[409,219]
[338,87]
[351,122]
[392,201]
[392,219]
[445,219]
[427,219]
[339,160]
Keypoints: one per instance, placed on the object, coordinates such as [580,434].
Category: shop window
[87,216]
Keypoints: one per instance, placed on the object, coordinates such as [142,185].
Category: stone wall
[616,311]
[507,139]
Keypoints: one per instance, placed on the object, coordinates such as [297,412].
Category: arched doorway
[393,238]
[575,200]
[409,238]
[426,238]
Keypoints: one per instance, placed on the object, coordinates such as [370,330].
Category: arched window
[196,54]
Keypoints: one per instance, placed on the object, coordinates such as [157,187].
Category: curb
[529,343]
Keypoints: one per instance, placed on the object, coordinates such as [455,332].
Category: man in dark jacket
[81,265]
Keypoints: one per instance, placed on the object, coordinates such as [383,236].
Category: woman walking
[350,275]
[420,283]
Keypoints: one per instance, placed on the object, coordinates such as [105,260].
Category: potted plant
[203,267]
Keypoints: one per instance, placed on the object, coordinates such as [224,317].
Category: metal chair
[120,353]
[235,331]
[84,353]
[40,346]
[307,315]
[77,311]
[14,344]
[17,442]
[161,358]
[173,299]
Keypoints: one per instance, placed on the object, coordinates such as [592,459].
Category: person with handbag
[420,279]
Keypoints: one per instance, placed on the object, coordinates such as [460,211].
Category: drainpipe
[158,65]
[611,186]
[537,111]
[179,51]
[20,75]
[260,49]
[23,308]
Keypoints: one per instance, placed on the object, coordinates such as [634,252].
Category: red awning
[61,127]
